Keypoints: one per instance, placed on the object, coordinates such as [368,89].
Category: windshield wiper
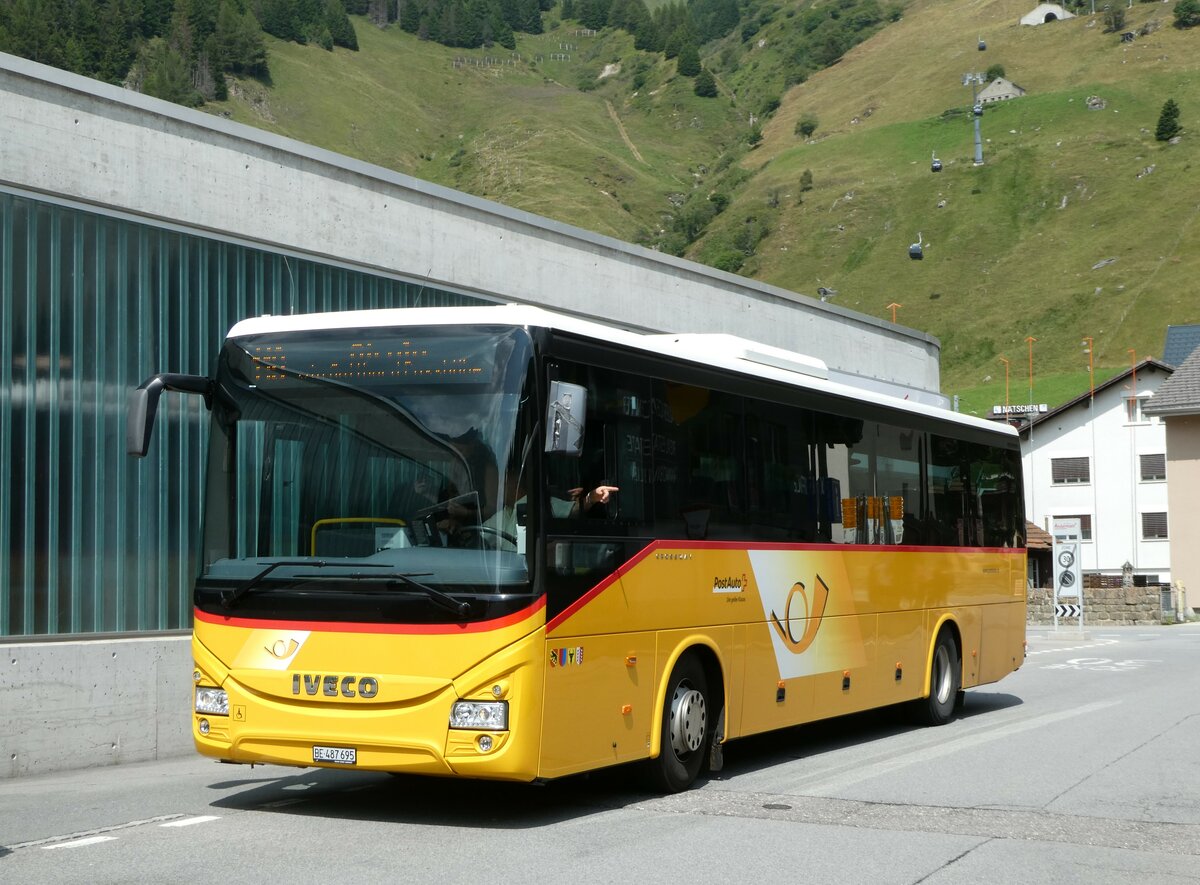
[230,598]
[445,600]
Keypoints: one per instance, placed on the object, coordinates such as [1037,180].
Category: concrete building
[1102,458]
[1177,405]
[133,234]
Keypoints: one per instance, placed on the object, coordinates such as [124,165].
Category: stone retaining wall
[1103,606]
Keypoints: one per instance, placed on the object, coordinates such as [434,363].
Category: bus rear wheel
[945,682]
[685,732]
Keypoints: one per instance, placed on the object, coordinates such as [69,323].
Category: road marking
[1101,665]
[79,843]
[985,734]
[1100,644]
[188,821]
[52,841]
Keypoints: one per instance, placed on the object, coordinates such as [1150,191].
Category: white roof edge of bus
[743,356]
[701,344]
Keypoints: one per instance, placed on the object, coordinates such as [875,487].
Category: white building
[1099,458]
[1045,12]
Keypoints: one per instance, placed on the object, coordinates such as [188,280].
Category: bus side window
[783,493]
[699,479]
[842,469]
[615,454]
[949,516]
[898,483]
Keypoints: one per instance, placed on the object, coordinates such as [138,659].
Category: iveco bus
[499,542]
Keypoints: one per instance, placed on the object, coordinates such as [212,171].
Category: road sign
[1068,577]
[1068,573]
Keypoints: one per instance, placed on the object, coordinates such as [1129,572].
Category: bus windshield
[369,474]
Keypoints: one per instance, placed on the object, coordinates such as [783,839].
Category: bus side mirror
[143,406]
[565,417]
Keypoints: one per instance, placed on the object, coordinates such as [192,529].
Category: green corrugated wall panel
[92,541]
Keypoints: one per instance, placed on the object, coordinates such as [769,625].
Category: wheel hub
[941,675]
[688,719]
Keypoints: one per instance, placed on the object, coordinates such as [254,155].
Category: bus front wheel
[945,682]
[685,732]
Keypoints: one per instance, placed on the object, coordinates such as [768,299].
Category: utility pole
[974,80]
[1029,339]
[893,307]
[1088,348]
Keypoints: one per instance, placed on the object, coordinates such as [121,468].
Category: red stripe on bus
[626,567]
[355,627]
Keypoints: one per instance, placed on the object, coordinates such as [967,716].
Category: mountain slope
[1078,224]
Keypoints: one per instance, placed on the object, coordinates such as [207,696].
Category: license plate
[340,755]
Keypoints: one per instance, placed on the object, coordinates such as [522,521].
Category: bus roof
[718,350]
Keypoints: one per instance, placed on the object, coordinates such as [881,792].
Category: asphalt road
[1082,767]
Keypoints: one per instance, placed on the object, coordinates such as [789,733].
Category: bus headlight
[213,701]
[480,715]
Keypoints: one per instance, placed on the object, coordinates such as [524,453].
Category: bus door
[600,646]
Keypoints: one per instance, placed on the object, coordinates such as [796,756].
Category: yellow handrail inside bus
[335,520]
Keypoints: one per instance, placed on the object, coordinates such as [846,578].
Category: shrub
[1187,13]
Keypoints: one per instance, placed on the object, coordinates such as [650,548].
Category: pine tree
[166,74]
[338,23]
[688,63]
[410,15]
[1168,121]
[240,45]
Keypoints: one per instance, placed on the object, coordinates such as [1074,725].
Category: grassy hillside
[1078,224]
[514,128]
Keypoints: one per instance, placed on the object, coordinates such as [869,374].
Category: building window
[1069,470]
[1133,411]
[1154,526]
[1085,524]
[1154,467]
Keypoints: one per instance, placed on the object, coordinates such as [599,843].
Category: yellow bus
[498,542]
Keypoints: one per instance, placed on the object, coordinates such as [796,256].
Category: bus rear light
[480,715]
[213,701]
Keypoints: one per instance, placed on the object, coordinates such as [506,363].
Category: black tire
[945,682]
[685,731]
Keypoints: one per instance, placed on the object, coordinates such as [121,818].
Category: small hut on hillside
[1046,12]
[1000,89]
